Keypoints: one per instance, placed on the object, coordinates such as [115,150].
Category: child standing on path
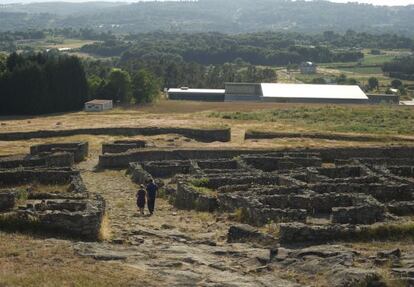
[141,199]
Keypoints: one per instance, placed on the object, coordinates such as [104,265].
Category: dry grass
[181,114]
[43,188]
[25,261]
[105,233]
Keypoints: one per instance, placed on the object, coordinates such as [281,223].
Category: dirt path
[182,248]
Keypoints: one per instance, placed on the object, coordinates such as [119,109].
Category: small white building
[98,105]
[307,68]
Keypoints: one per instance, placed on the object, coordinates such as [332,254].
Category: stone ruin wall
[291,187]
[79,150]
[122,160]
[202,135]
[72,212]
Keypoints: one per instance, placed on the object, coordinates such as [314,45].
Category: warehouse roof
[313,91]
[196,91]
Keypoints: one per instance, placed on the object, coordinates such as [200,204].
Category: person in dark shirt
[151,195]
[141,199]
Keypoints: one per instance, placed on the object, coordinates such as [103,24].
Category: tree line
[41,83]
[51,82]
[215,48]
[401,68]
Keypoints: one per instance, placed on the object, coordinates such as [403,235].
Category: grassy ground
[27,261]
[363,70]
[54,43]
[381,119]
[365,119]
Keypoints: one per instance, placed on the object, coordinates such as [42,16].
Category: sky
[375,2]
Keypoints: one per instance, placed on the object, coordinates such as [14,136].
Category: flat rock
[389,253]
[104,252]
[351,277]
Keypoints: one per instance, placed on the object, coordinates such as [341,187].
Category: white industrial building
[98,105]
[205,95]
[305,93]
[275,92]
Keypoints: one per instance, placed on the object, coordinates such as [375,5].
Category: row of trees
[402,68]
[216,49]
[121,87]
[41,83]
[175,72]
[49,82]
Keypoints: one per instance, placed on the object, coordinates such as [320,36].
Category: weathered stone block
[243,233]
[364,214]
[7,200]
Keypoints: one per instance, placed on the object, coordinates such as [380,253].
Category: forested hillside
[230,16]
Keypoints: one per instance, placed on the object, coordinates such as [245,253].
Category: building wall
[108,106]
[202,97]
[242,92]
[313,100]
[98,107]
[93,107]
[387,99]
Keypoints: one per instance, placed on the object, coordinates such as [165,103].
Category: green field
[358,119]
[53,43]
[362,70]
[377,59]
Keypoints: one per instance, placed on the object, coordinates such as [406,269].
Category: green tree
[119,86]
[145,87]
[373,83]
[95,83]
[3,60]
[396,84]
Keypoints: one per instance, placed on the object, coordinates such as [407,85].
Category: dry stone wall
[78,149]
[257,135]
[294,187]
[123,146]
[202,135]
[70,211]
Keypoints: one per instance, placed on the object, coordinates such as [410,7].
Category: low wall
[328,136]
[78,149]
[122,160]
[44,176]
[44,159]
[291,233]
[203,135]
[166,169]
[327,155]
[363,214]
[401,208]
[7,200]
[122,146]
[83,222]
[189,198]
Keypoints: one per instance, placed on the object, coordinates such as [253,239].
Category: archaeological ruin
[295,210]
[317,196]
[42,192]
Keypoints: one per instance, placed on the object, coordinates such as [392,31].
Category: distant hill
[227,16]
